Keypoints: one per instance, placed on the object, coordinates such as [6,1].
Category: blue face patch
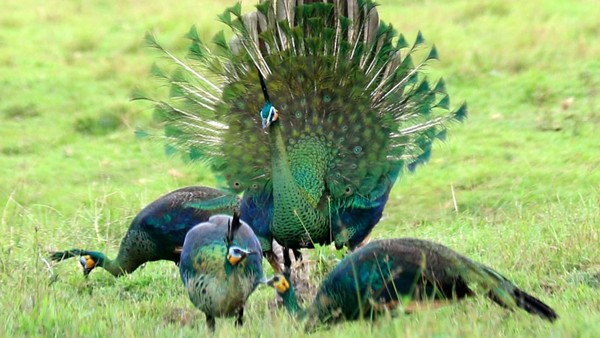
[268,114]
[266,110]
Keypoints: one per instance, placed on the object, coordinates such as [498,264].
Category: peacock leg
[210,323]
[240,317]
[287,261]
[297,255]
[273,260]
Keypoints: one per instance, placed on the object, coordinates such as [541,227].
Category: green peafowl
[156,233]
[403,273]
[312,111]
[221,266]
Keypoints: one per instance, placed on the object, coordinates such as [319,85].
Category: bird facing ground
[156,233]
[406,274]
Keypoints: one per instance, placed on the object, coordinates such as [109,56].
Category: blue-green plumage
[220,266]
[156,233]
[312,111]
[387,274]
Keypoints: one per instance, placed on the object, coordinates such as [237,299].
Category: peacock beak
[273,116]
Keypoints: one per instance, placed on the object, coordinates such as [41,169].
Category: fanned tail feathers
[335,71]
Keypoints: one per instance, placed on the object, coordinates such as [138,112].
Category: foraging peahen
[404,273]
[156,233]
[316,154]
[221,264]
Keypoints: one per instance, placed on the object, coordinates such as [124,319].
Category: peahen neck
[116,267]
[291,303]
[298,185]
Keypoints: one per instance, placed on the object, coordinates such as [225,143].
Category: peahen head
[282,284]
[279,283]
[268,113]
[90,261]
[235,254]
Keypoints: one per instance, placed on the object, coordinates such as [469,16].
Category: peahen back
[355,111]
[406,273]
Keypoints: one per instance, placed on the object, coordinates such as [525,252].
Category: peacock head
[89,262]
[279,283]
[268,114]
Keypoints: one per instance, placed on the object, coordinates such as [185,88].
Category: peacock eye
[348,190]
[254,186]
[236,184]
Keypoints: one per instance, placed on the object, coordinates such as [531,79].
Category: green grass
[524,168]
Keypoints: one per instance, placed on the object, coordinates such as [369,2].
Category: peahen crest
[342,80]
[232,228]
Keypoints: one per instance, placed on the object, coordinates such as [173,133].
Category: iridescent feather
[156,233]
[355,111]
[406,274]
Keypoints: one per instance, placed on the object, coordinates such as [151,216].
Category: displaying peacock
[156,233]
[312,111]
[403,273]
[221,266]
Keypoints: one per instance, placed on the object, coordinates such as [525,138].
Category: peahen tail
[59,256]
[533,305]
[508,295]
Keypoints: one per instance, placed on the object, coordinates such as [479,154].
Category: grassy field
[524,168]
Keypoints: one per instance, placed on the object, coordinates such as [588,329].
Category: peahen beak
[87,263]
[236,256]
[279,283]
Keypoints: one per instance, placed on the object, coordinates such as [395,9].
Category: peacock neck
[281,166]
[305,164]
[298,186]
